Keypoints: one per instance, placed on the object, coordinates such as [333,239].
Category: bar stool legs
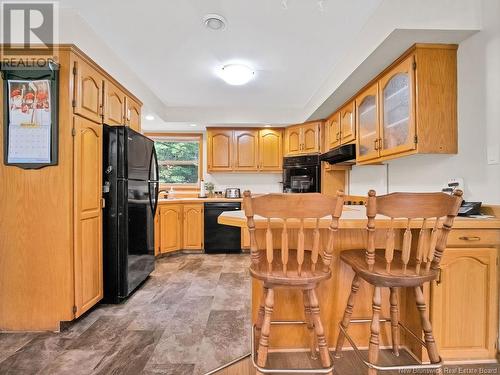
[266,328]
[347,315]
[260,314]
[394,321]
[373,346]
[310,324]
[426,326]
[318,328]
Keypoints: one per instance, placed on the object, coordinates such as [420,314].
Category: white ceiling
[165,43]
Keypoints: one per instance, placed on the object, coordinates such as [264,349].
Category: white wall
[478,126]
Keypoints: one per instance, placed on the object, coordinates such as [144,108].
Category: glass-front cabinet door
[397,110]
[367,124]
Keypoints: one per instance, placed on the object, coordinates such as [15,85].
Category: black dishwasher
[221,238]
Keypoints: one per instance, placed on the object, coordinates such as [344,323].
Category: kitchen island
[463,304]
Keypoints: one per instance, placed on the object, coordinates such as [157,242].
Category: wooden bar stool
[434,214]
[288,267]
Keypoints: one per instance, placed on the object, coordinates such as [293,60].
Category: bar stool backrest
[434,213]
[286,211]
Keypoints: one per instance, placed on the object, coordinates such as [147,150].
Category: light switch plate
[493,154]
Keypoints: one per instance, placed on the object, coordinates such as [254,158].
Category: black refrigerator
[130,177]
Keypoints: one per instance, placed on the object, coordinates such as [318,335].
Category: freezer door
[140,260]
[139,154]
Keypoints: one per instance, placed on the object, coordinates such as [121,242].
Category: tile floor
[192,315]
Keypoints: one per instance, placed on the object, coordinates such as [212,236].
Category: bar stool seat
[398,276]
[291,278]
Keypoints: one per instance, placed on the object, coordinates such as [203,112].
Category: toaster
[233,193]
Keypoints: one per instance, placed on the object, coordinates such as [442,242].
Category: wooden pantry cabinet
[303,138]
[59,242]
[244,150]
[179,226]
[411,107]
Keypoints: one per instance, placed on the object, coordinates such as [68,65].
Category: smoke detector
[214,21]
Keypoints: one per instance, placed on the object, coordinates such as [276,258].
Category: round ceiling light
[214,22]
[236,74]
[149,117]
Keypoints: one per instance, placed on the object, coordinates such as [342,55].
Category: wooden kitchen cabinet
[293,140]
[88,214]
[416,104]
[179,226]
[219,150]
[246,150]
[193,226]
[270,150]
[397,108]
[347,124]
[367,124]
[88,90]
[170,227]
[133,114]
[303,139]
[332,131]
[464,306]
[114,104]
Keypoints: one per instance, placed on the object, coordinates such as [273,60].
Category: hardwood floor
[348,364]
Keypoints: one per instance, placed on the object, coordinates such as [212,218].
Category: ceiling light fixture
[236,74]
[149,117]
[193,125]
[267,126]
[214,21]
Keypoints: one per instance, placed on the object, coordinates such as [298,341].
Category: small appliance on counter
[301,174]
[233,193]
[467,208]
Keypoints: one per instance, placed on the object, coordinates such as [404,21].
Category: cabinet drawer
[474,237]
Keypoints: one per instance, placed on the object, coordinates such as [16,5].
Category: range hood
[339,154]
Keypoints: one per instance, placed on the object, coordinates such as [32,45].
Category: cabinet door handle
[438,281]
[375,144]
[470,238]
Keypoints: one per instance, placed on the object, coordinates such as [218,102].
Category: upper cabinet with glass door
[367,124]
[411,108]
[397,118]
